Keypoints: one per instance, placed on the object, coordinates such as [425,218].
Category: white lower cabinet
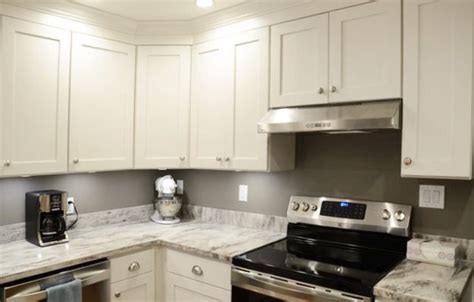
[136,289]
[182,289]
[133,277]
[189,278]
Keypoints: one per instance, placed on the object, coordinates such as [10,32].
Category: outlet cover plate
[243,193]
[431,197]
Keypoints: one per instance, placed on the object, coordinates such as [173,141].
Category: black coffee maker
[45,213]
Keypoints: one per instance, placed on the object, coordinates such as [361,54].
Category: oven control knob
[295,206]
[399,215]
[314,207]
[386,214]
[305,206]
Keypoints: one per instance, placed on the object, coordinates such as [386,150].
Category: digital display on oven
[343,209]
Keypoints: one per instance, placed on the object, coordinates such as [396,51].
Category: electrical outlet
[431,197]
[70,207]
[180,188]
[243,193]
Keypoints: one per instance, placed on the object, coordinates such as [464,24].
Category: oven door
[252,286]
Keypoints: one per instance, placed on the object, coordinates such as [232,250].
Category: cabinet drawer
[201,269]
[132,265]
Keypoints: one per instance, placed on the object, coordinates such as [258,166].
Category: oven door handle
[285,290]
[87,277]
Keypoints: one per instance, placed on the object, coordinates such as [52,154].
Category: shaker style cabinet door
[162,107]
[182,289]
[211,107]
[299,62]
[34,98]
[365,52]
[136,289]
[437,89]
[102,101]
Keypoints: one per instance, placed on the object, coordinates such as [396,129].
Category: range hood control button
[399,215]
[314,207]
[386,214]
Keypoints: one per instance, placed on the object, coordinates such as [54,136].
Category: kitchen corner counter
[20,259]
[416,281]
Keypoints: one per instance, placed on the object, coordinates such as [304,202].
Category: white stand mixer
[167,205]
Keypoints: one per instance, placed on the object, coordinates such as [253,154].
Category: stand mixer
[167,204]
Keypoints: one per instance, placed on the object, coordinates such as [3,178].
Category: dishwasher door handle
[87,277]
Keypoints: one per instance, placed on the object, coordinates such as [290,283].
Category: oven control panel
[366,215]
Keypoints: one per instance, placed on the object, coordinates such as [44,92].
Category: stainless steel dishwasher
[95,277]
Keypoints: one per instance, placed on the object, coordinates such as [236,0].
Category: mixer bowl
[168,207]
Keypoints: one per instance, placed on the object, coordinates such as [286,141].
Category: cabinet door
[299,62]
[35,60]
[365,52]
[182,289]
[162,107]
[438,89]
[211,107]
[250,100]
[136,289]
[102,100]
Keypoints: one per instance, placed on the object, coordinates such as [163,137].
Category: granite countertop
[22,259]
[416,281]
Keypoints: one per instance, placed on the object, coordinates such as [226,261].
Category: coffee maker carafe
[45,213]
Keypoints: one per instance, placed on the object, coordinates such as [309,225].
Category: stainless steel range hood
[356,117]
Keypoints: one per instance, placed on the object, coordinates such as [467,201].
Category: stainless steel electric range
[335,250]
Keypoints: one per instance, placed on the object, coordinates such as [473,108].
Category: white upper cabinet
[162,107]
[102,101]
[225,111]
[352,54]
[211,109]
[365,52]
[438,89]
[299,65]
[34,98]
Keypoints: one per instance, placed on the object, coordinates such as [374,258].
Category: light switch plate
[180,188]
[431,197]
[243,193]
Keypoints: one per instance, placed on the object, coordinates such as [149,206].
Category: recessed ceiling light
[204,3]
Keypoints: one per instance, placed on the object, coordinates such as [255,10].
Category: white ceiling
[150,10]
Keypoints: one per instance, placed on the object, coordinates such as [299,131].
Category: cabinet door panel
[102,100]
[211,108]
[438,95]
[181,289]
[250,71]
[299,62]
[365,52]
[162,107]
[136,289]
[35,61]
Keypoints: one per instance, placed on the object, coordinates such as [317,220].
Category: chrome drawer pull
[134,266]
[197,270]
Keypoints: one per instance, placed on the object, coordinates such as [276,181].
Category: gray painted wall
[365,166]
[360,166]
[93,192]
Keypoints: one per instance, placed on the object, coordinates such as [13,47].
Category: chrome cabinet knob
[218,158]
[333,89]
[227,158]
[197,270]
[182,158]
[7,163]
[75,160]
[134,266]
[386,214]
[399,216]
[117,295]
[295,206]
[407,161]
[321,90]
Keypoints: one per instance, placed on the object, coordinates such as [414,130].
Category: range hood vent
[346,118]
